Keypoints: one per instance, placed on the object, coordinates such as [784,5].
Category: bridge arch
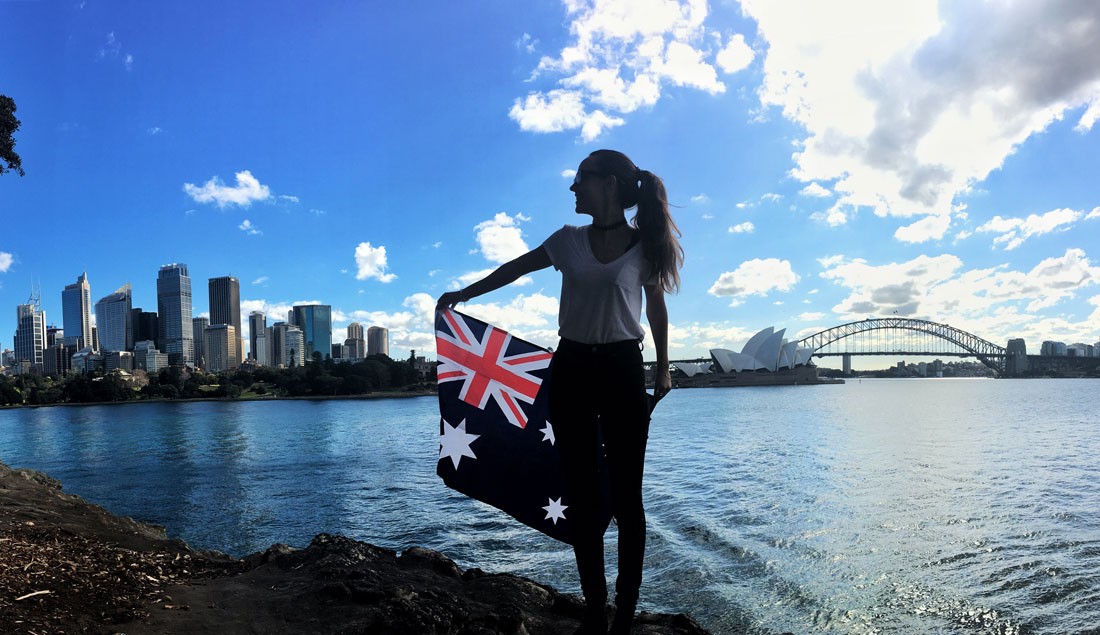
[987,352]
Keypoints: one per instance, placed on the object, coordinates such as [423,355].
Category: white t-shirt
[600,303]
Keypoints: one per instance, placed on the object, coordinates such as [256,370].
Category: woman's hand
[662,383]
[449,300]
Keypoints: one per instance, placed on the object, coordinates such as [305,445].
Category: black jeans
[599,390]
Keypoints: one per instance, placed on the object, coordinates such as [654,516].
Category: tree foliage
[321,378]
[9,160]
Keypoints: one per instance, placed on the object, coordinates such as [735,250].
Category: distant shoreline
[385,394]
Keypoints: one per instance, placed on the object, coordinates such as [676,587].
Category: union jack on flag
[488,366]
[496,442]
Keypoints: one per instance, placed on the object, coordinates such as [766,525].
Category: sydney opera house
[767,359]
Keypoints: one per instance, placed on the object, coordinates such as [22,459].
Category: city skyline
[828,162]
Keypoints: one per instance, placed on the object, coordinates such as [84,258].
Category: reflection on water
[919,506]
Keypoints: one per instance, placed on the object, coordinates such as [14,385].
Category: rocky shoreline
[68,566]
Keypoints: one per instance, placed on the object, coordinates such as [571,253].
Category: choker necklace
[605,228]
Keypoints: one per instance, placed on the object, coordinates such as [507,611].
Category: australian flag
[496,442]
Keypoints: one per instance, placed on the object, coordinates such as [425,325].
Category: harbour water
[878,506]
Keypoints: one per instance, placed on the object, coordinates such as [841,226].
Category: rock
[336,585]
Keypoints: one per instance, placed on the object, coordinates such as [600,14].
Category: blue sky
[829,161]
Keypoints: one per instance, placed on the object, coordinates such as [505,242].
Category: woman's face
[590,187]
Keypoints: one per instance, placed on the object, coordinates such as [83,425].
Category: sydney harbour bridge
[904,336]
[896,336]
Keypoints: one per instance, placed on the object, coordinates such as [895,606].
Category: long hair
[646,190]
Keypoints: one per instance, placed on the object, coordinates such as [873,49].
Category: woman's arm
[657,314]
[505,274]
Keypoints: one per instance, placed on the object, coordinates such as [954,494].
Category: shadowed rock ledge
[71,567]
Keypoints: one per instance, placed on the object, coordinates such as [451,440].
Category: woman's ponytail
[660,236]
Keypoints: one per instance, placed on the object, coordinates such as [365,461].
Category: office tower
[54,334]
[378,341]
[257,330]
[276,344]
[356,343]
[339,351]
[76,310]
[294,346]
[260,355]
[219,347]
[57,358]
[198,329]
[225,308]
[30,334]
[174,314]
[145,325]
[95,339]
[315,321]
[148,358]
[112,320]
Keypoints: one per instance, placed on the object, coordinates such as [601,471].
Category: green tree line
[317,378]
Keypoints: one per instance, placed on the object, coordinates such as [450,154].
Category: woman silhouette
[597,385]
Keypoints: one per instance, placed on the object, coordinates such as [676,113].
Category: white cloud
[815,190]
[1095,213]
[907,105]
[288,198]
[129,62]
[371,262]
[247,190]
[1014,231]
[736,56]
[467,279]
[755,277]
[708,216]
[6,261]
[568,174]
[248,228]
[500,239]
[619,54]
[155,130]
[742,228]
[700,198]
[260,280]
[993,303]
[811,317]
[771,197]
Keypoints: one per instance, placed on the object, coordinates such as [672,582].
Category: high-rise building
[148,358]
[225,308]
[219,347]
[112,320]
[276,344]
[257,329]
[145,325]
[315,321]
[30,334]
[174,314]
[54,334]
[76,310]
[58,358]
[198,329]
[378,341]
[356,343]
[294,346]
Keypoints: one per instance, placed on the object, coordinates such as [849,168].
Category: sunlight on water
[919,506]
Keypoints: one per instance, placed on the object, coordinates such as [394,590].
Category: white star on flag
[548,433]
[454,443]
[555,510]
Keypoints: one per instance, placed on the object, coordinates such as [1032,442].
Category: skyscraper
[30,334]
[315,321]
[356,344]
[294,346]
[378,341]
[276,344]
[225,308]
[113,316]
[76,310]
[145,325]
[257,330]
[198,330]
[174,314]
[219,341]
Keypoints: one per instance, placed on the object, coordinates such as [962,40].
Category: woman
[597,380]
